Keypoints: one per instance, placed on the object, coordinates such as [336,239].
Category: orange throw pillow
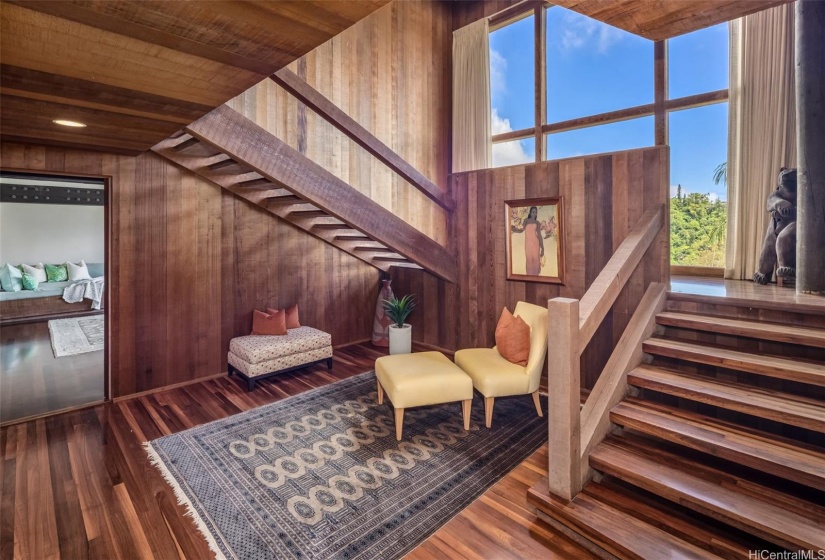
[513,338]
[269,323]
[291,316]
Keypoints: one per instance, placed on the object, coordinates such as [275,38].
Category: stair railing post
[564,397]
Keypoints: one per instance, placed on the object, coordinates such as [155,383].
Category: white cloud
[581,31]
[712,196]
[498,72]
[507,153]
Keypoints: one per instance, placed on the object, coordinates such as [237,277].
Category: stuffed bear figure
[779,247]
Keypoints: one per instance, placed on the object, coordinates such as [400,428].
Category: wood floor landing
[79,485]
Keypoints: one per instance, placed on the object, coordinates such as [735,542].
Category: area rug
[320,475]
[77,335]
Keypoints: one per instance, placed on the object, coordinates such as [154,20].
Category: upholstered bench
[257,357]
[421,379]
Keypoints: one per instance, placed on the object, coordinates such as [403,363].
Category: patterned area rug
[320,475]
[77,335]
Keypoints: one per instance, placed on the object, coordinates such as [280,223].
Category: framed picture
[535,240]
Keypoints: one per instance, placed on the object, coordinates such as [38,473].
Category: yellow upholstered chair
[493,376]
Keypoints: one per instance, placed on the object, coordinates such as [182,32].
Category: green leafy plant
[399,309]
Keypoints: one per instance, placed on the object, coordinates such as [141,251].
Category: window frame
[660,109]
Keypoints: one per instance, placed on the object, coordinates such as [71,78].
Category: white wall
[50,233]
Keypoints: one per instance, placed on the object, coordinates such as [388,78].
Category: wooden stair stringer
[263,198]
[253,149]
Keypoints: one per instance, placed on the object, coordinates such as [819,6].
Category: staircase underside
[234,153]
[719,448]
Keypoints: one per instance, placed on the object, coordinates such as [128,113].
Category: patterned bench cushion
[255,349]
[277,364]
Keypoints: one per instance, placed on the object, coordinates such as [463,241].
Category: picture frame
[534,233]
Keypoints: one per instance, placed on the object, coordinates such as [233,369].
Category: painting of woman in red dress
[534,240]
[533,243]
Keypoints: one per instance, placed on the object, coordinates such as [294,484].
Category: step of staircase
[790,334]
[745,446]
[766,513]
[771,366]
[611,530]
[772,405]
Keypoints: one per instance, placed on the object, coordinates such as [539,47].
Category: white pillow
[78,272]
[38,271]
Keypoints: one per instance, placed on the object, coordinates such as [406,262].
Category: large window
[565,85]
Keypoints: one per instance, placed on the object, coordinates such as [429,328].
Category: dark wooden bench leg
[230,370]
[329,363]
[250,384]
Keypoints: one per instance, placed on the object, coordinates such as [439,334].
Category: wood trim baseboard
[51,413]
[434,348]
[169,387]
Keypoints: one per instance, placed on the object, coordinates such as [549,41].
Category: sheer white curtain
[472,126]
[761,128]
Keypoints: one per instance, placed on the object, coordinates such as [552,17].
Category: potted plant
[400,332]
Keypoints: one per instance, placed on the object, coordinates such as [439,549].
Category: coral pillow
[269,323]
[513,338]
[291,316]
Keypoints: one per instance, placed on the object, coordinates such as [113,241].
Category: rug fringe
[183,500]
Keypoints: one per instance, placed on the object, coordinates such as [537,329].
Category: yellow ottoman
[421,379]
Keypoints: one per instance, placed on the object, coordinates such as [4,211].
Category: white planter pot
[401,339]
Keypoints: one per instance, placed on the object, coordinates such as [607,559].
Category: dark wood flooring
[78,485]
[34,382]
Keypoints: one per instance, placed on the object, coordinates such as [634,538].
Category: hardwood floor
[34,382]
[79,485]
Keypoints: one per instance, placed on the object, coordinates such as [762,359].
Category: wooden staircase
[719,446]
[231,151]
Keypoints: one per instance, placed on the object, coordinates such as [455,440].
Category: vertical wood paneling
[604,197]
[189,261]
[391,73]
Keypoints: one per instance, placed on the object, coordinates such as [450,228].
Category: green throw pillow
[11,279]
[56,273]
[29,282]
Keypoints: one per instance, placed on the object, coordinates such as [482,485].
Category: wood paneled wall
[604,197]
[391,72]
[190,261]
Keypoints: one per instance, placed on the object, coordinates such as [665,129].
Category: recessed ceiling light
[64,122]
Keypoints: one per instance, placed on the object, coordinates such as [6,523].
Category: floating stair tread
[712,493]
[614,530]
[771,366]
[780,407]
[752,448]
[790,334]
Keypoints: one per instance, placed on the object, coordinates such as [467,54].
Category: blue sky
[594,68]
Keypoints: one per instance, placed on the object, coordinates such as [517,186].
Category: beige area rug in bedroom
[77,335]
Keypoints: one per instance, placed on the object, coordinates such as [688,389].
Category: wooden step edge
[764,520]
[610,530]
[762,452]
[769,366]
[812,307]
[779,407]
[671,518]
[776,332]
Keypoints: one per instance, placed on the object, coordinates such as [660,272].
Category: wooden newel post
[810,119]
[564,390]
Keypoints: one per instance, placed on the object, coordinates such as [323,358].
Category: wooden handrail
[331,113]
[570,326]
[611,280]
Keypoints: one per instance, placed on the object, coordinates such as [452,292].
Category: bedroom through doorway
[53,312]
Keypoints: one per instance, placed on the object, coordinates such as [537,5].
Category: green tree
[697,230]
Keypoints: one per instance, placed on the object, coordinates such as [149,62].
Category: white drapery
[472,121]
[761,128]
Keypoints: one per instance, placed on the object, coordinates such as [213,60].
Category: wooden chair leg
[488,411]
[399,422]
[537,402]
[466,406]
[380,392]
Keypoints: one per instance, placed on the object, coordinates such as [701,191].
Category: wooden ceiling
[137,71]
[662,19]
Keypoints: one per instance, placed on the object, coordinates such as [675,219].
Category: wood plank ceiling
[137,71]
[658,20]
